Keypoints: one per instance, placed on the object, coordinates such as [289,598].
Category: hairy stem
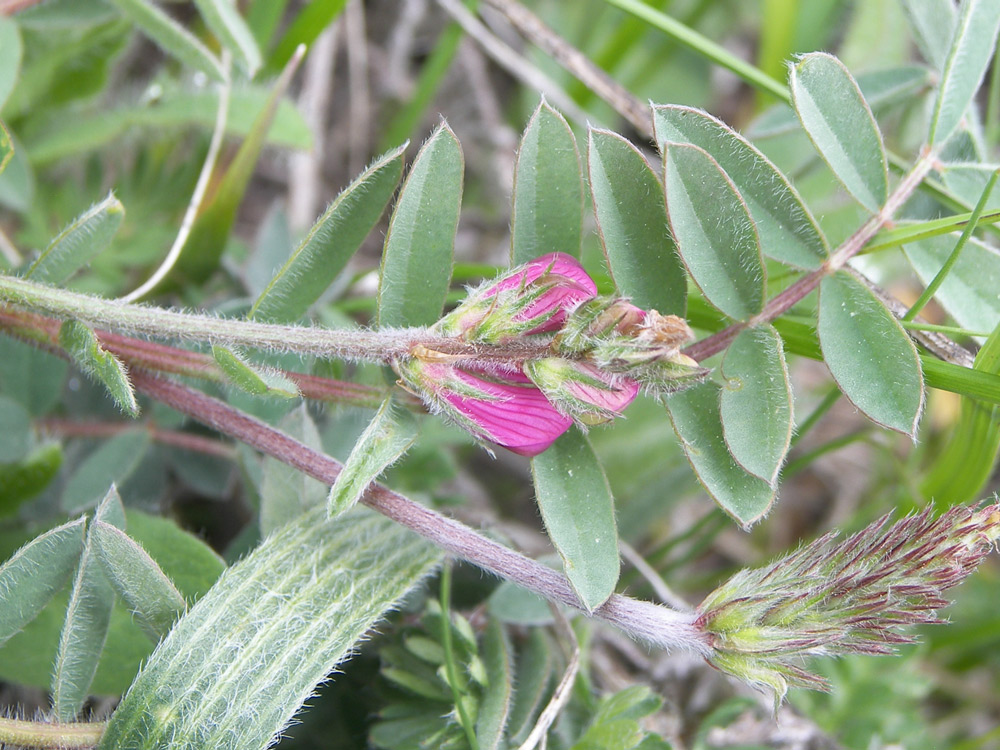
[653,623]
[66,736]
[354,345]
[150,355]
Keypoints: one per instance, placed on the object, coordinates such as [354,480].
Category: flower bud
[503,408]
[580,390]
[533,298]
[853,597]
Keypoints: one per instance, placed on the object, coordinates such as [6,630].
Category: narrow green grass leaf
[694,413]
[495,705]
[960,471]
[756,402]
[869,354]
[235,669]
[83,346]
[203,249]
[579,514]
[87,618]
[788,232]
[223,18]
[714,231]
[10,56]
[420,243]
[547,216]
[385,440]
[969,291]
[632,222]
[173,38]
[30,578]
[79,242]
[252,379]
[972,46]
[334,238]
[314,17]
[932,24]
[841,126]
[143,586]
[22,480]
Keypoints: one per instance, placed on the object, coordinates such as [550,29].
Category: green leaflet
[880,88]
[331,242]
[255,380]
[223,18]
[632,221]
[841,126]
[113,462]
[788,232]
[27,657]
[869,354]
[385,440]
[714,231]
[548,189]
[285,491]
[578,510]
[756,402]
[30,578]
[971,49]
[932,24]
[695,416]
[82,344]
[87,618]
[138,580]
[237,667]
[969,292]
[420,243]
[75,246]
[171,36]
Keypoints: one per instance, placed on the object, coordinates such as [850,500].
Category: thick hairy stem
[653,623]
[65,736]
[782,302]
[353,345]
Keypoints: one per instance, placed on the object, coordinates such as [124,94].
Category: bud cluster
[600,352]
[830,598]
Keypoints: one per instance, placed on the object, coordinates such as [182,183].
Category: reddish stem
[654,623]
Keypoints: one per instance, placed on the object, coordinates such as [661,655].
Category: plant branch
[65,736]
[176,438]
[151,355]
[786,299]
[649,622]
[381,346]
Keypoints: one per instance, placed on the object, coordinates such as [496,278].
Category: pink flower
[533,298]
[508,411]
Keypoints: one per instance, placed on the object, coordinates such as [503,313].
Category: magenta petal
[558,264]
[622,390]
[521,419]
